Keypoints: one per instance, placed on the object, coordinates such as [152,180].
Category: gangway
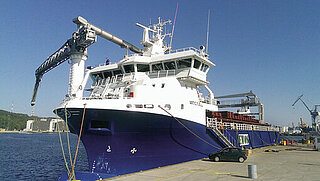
[212,126]
[225,140]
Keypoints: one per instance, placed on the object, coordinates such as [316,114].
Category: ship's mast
[154,44]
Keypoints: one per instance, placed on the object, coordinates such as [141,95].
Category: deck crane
[248,100]
[314,114]
[75,49]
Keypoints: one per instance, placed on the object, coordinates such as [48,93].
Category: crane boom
[85,36]
[58,57]
[299,98]
[80,21]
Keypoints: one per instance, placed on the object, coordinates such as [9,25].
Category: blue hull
[134,141]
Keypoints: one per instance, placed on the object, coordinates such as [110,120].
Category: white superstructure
[155,76]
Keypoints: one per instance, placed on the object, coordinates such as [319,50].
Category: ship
[151,109]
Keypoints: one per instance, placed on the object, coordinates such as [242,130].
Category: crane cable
[75,156]
[188,129]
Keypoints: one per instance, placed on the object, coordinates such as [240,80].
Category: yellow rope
[62,149]
[68,140]
[75,156]
[188,128]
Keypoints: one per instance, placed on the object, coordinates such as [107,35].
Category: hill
[14,121]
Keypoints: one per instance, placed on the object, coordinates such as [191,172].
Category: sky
[269,47]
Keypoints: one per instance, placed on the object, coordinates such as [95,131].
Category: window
[138,105]
[107,74]
[170,65]
[196,64]
[97,77]
[185,63]
[143,68]
[128,68]
[117,72]
[157,67]
[204,67]
[167,106]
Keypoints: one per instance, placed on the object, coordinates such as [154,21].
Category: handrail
[215,123]
[168,52]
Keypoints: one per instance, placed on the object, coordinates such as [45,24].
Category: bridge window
[204,67]
[97,77]
[143,68]
[157,67]
[185,63]
[117,72]
[128,68]
[170,65]
[107,74]
[196,64]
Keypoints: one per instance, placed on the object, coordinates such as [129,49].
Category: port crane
[314,114]
[75,49]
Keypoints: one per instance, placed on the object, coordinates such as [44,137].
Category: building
[45,125]
[56,125]
[284,129]
[29,125]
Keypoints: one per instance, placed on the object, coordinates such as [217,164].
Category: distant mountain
[14,121]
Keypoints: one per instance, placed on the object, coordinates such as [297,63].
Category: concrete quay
[290,163]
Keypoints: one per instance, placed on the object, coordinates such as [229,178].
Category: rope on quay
[188,128]
[75,156]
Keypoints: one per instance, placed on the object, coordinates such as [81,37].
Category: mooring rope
[262,139]
[62,149]
[188,128]
[75,156]
[68,140]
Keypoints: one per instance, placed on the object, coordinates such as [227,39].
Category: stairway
[222,137]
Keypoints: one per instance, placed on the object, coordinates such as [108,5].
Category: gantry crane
[314,114]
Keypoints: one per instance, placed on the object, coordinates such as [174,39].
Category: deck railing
[216,124]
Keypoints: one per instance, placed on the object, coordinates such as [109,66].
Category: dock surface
[290,163]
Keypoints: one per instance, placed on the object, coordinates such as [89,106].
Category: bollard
[252,171]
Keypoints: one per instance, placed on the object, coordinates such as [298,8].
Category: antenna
[12,107]
[174,23]
[207,45]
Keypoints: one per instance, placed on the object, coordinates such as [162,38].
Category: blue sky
[270,47]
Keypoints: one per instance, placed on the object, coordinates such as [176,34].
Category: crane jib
[85,36]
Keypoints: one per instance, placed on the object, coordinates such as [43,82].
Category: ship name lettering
[195,103]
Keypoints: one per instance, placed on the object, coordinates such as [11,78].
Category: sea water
[37,156]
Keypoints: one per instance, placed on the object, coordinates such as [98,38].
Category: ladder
[222,137]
